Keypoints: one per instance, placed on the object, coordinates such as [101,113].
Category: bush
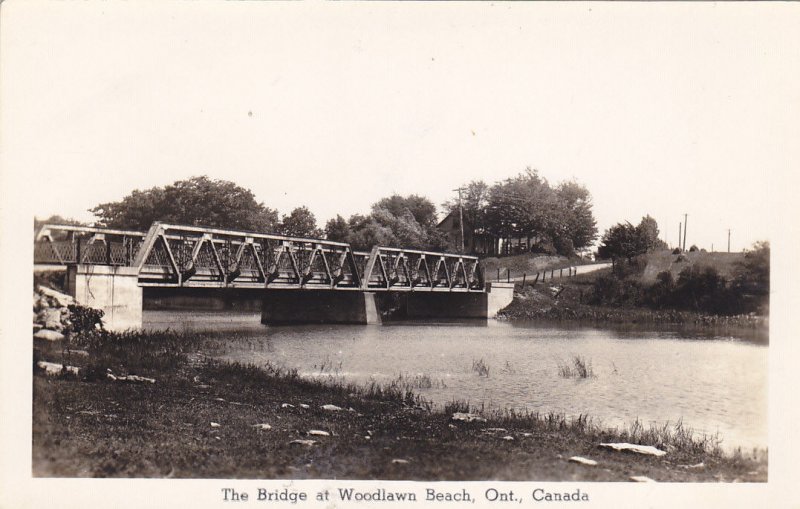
[676,251]
[693,249]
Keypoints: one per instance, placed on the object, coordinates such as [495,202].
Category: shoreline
[199,419]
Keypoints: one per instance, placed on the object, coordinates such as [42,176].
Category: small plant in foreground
[580,368]
[480,367]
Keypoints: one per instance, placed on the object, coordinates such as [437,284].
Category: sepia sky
[663,109]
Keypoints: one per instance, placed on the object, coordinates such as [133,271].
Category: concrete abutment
[114,290]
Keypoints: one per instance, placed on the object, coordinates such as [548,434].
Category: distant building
[475,241]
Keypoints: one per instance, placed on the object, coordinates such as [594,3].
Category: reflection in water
[715,384]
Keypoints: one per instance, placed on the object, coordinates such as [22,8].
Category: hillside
[724,263]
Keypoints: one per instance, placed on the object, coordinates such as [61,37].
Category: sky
[659,109]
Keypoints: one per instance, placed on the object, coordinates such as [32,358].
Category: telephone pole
[729,240]
[679,236]
[461,217]
[685,227]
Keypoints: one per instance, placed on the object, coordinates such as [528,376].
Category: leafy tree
[421,209]
[300,222]
[337,229]
[627,241]
[580,227]
[621,241]
[526,206]
[751,278]
[198,201]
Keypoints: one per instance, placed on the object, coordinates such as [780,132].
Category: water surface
[714,383]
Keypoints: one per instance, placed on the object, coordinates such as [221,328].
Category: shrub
[693,248]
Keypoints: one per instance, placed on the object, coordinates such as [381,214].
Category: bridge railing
[67,244]
[176,255]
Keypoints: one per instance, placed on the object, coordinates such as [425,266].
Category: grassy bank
[90,425]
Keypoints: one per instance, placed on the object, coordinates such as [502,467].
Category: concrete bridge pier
[457,304]
[113,289]
[319,306]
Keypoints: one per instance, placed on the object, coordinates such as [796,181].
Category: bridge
[319,280]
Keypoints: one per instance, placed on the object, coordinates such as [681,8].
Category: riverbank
[566,301]
[203,418]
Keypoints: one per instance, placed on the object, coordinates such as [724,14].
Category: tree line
[545,218]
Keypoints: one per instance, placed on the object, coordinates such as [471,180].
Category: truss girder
[189,256]
[392,269]
[204,257]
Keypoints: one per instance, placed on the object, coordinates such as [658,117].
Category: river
[713,382]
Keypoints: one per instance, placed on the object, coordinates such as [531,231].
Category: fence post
[536,280]
[561,272]
[524,275]
[508,275]
[498,273]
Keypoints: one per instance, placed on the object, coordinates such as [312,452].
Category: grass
[480,367]
[579,368]
[101,428]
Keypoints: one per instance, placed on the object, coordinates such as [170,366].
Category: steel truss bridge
[169,255]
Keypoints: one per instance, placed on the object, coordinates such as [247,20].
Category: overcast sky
[659,109]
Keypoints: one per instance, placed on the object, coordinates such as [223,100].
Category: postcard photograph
[341,255]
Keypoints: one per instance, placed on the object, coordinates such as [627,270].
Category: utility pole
[461,217]
[685,227]
[679,236]
[729,240]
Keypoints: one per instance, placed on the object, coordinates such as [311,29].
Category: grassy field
[207,419]
[662,261]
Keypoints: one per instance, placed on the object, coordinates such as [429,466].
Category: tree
[198,201]
[628,241]
[580,227]
[422,209]
[751,278]
[526,206]
[337,229]
[300,222]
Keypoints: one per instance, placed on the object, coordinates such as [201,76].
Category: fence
[547,275]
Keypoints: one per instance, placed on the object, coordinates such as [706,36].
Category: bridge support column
[319,306]
[499,296]
[445,305]
[114,290]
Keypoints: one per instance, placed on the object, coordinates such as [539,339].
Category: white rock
[495,430]
[318,432]
[583,461]
[307,443]
[641,449]
[130,378]
[331,408]
[215,425]
[641,478]
[263,426]
[287,405]
[508,438]
[399,461]
[303,405]
[62,299]
[54,369]
[49,335]
[467,417]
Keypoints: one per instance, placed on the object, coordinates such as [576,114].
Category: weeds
[580,368]
[480,367]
